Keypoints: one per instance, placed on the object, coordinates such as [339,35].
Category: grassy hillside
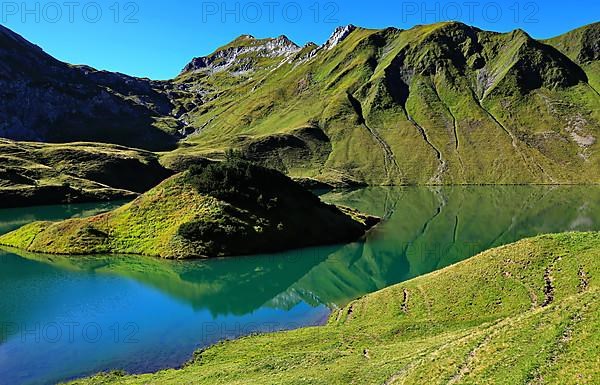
[582,45]
[444,103]
[526,313]
[435,104]
[228,208]
[37,173]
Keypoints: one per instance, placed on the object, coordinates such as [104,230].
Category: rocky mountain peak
[281,45]
[338,36]
[244,51]
[521,33]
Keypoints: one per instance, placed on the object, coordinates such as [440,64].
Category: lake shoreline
[425,230]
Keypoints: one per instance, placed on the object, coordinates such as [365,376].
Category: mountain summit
[338,36]
[243,54]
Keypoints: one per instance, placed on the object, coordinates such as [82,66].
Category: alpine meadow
[415,205]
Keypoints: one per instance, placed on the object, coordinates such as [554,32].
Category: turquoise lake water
[62,318]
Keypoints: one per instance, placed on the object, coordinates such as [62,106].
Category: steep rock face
[44,99]
[590,45]
[338,36]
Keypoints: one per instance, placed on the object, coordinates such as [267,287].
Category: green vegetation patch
[40,173]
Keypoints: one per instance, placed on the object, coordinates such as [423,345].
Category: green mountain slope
[38,173]
[435,104]
[442,103]
[523,313]
[223,209]
[582,45]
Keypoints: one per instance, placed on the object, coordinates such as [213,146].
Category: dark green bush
[243,183]
[263,209]
[214,233]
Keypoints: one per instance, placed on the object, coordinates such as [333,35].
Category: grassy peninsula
[526,313]
[220,209]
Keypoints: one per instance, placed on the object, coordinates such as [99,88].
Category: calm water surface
[62,318]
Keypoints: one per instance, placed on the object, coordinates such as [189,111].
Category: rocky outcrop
[43,99]
[242,54]
[338,36]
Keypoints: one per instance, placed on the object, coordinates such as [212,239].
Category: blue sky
[156,39]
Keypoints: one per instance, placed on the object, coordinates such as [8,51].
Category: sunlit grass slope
[526,313]
[435,104]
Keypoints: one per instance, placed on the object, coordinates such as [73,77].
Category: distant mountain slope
[43,99]
[441,103]
[435,104]
[39,174]
[582,45]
